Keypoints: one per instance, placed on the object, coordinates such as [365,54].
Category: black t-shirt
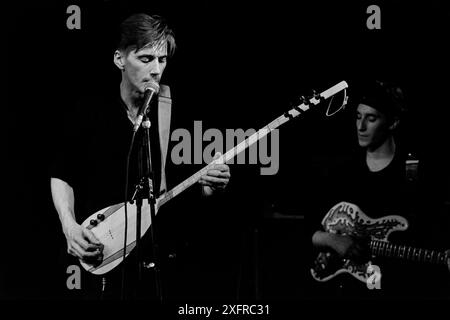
[90,155]
[92,152]
[377,194]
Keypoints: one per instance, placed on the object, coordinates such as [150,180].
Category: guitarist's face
[141,68]
[372,126]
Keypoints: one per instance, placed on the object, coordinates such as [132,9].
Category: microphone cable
[126,216]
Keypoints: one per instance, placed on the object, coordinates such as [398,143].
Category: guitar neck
[294,112]
[387,249]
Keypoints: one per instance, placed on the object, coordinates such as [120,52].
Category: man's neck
[380,157]
[130,99]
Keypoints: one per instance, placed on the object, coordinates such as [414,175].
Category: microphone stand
[138,199]
[149,178]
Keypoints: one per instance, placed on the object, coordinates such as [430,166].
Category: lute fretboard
[294,112]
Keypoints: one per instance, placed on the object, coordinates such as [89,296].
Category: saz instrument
[108,224]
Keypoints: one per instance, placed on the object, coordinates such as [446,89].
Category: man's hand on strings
[354,248]
[216,178]
[83,244]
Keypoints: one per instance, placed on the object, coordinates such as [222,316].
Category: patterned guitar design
[347,219]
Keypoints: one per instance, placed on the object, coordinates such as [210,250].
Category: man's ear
[119,59]
[394,124]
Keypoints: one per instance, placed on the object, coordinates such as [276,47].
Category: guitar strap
[164,116]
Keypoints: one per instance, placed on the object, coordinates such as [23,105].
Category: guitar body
[348,219]
[110,232]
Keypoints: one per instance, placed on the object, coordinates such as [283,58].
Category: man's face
[372,126]
[144,67]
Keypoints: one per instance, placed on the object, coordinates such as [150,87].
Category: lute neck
[224,158]
[294,112]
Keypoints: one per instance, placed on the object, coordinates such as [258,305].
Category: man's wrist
[68,222]
[207,191]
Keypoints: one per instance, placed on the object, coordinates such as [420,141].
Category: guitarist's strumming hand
[82,243]
[216,178]
[354,248]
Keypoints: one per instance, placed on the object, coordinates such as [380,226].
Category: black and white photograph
[227,158]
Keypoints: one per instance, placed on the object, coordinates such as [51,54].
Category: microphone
[149,92]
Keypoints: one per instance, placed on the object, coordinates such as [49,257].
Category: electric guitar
[108,224]
[348,219]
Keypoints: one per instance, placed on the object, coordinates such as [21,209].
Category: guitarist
[375,181]
[89,170]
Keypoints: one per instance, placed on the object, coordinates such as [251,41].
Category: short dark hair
[141,30]
[384,96]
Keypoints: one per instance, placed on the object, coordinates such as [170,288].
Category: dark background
[236,66]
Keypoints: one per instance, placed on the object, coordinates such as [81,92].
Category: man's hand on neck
[385,150]
[380,158]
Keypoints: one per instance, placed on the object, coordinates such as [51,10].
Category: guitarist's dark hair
[386,97]
[141,30]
